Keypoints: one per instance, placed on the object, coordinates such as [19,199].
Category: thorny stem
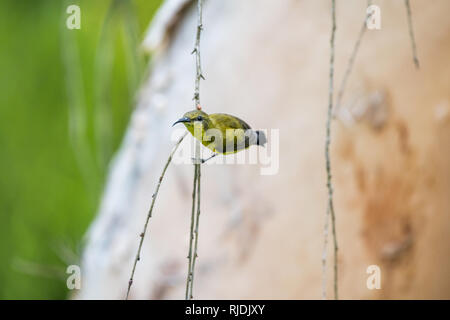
[196,229]
[324,256]
[196,51]
[352,59]
[411,34]
[191,238]
[196,189]
[149,215]
[327,146]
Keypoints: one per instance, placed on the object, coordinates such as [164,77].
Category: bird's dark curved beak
[184,119]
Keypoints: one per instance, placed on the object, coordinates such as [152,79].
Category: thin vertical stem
[191,237]
[150,211]
[196,230]
[411,34]
[327,146]
[196,51]
[352,59]
[197,171]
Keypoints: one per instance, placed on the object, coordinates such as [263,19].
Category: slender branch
[196,230]
[191,238]
[196,51]
[196,189]
[150,211]
[327,145]
[411,34]
[352,59]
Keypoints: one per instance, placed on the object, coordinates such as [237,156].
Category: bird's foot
[201,161]
[198,161]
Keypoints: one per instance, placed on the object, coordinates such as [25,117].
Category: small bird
[221,133]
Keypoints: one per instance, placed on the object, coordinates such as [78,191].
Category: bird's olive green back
[233,133]
[222,120]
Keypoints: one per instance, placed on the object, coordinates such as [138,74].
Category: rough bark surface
[261,236]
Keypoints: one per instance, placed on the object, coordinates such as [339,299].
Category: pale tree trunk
[262,236]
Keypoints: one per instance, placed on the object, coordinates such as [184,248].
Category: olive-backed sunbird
[220,132]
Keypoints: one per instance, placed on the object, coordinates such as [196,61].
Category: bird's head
[195,117]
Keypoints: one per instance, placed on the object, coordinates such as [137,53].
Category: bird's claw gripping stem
[198,161]
[202,161]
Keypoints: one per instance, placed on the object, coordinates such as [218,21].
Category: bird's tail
[261,139]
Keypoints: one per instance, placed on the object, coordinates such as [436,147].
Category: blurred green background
[66,97]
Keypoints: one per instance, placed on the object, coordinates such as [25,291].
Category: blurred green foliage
[66,97]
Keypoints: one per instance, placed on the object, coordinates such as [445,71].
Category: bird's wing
[234,133]
[228,121]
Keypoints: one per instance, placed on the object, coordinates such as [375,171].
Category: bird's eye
[199,118]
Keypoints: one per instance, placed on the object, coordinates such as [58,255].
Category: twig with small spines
[411,34]
[197,219]
[150,211]
[352,59]
[327,146]
[190,274]
[192,256]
